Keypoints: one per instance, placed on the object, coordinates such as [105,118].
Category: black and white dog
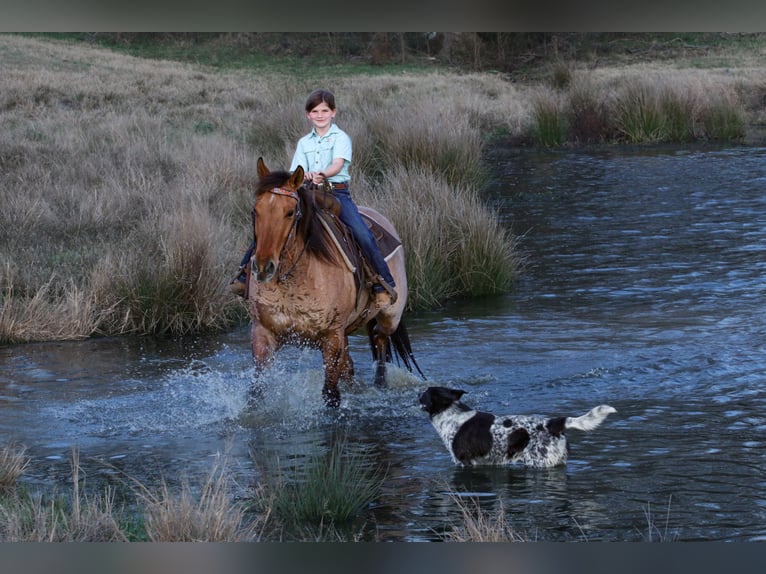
[478,438]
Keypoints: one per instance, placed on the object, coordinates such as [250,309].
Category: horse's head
[276,213]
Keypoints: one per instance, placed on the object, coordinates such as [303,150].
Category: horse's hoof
[331,397]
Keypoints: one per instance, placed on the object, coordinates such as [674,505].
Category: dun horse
[301,289]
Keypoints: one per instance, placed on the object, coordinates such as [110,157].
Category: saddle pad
[387,243]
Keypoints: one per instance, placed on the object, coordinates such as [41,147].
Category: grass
[479,525]
[323,495]
[326,495]
[77,517]
[482,525]
[13,463]
[127,196]
[640,108]
[205,514]
[127,176]
[653,532]
[319,502]
[550,123]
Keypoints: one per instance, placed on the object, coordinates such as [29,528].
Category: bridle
[298,214]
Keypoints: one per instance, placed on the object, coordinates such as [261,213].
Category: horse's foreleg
[263,345]
[338,367]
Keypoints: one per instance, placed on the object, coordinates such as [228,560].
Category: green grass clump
[723,119]
[549,121]
[639,117]
[324,493]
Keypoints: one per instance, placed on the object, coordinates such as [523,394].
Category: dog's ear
[457,393]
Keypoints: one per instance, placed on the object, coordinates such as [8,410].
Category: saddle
[353,257]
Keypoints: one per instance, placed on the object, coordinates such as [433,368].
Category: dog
[478,438]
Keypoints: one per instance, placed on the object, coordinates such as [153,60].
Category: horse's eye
[290,213]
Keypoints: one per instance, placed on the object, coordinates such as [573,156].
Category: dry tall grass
[208,512]
[209,515]
[126,183]
[78,517]
[454,242]
[641,106]
[13,463]
[480,525]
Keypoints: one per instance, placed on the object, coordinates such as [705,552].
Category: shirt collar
[333,129]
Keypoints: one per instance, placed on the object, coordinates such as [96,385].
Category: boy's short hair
[320,96]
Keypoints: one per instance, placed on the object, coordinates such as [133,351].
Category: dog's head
[435,400]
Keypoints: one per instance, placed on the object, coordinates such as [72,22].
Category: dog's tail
[591,419]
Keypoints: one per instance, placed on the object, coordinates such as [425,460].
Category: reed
[206,512]
[56,310]
[589,117]
[655,533]
[173,287]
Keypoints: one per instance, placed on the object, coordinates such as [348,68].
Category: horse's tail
[400,341]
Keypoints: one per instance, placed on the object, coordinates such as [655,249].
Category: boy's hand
[315,177]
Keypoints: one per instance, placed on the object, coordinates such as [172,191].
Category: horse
[301,291]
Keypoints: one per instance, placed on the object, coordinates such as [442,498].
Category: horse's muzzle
[263,274]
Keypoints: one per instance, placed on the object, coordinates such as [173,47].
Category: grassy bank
[323,499]
[127,184]
[126,181]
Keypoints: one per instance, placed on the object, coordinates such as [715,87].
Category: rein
[294,195]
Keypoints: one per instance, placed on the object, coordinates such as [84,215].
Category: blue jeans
[349,214]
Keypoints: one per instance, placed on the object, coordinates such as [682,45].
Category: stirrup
[383,299]
[388,289]
[237,287]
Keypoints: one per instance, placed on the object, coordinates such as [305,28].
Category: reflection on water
[644,289]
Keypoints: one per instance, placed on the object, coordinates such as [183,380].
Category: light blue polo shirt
[315,153]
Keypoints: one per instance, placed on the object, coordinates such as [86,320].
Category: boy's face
[321,116]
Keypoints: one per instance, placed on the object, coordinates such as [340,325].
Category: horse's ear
[296,180]
[262,169]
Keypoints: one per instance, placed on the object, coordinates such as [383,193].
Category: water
[644,289]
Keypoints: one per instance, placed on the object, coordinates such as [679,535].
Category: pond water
[645,288]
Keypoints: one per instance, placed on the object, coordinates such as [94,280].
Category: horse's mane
[309,228]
